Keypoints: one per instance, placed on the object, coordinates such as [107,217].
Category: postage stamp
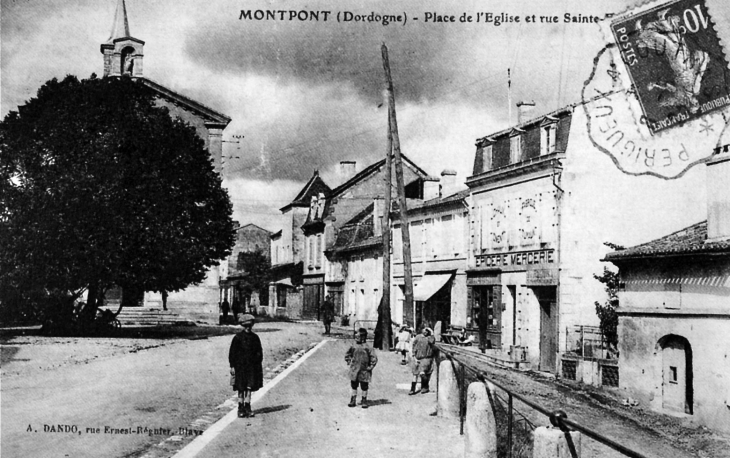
[657,101]
[675,62]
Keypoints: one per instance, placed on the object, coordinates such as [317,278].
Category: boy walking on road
[362,359]
[422,360]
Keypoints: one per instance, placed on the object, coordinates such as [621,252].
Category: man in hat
[328,313]
[362,360]
[422,360]
[245,357]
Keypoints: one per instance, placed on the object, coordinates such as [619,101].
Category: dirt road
[95,397]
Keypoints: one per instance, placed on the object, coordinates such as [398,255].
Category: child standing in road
[362,359]
[245,357]
[404,343]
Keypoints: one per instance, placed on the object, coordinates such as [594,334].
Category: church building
[124,56]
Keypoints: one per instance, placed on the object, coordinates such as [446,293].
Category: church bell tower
[122,53]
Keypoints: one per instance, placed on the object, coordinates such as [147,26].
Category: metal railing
[586,341]
[557,418]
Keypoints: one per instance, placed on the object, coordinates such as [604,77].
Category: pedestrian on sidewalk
[328,313]
[245,357]
[362,360]
[422,360]
[404,343]
[225,308]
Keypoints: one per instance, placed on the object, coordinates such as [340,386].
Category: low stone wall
[591,371]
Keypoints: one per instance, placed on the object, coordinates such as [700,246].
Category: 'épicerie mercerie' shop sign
[522,258]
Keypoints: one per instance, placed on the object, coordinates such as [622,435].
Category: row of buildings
[520,240]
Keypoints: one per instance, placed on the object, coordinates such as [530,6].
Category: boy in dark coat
[245,357]
[362,359]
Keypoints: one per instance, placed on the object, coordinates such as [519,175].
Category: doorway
[677,390]
[547,298]
[313,297]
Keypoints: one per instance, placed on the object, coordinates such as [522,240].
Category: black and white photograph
[269,228]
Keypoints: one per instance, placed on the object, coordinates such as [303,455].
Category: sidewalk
[306,415]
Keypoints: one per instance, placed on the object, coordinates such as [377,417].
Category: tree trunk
[88,313]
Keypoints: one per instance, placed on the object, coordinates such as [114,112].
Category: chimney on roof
[347,170]
[525,110]
[718,199]
[431,188]
[448,182]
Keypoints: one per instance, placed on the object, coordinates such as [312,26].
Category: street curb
[208,425]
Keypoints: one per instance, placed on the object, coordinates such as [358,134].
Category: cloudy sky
[306,95]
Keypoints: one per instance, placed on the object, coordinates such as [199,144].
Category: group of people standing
[361,359]
[226,308]
[245,358]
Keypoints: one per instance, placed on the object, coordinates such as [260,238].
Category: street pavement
[306,415]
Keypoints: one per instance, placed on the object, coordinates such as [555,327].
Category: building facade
[123,56]
[674,314]
[514,265]
[352,234]
[543,202]
[288,253]
[355,269]
[235,284]
[438,230]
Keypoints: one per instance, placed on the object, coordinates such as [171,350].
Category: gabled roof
[314,186]
[356,231]
[212,118]
[691,240]
[252,224]
[373,168]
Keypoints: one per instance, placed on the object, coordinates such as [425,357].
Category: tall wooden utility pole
[408,278]
[384,333]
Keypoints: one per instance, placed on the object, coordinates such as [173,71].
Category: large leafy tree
[101,187]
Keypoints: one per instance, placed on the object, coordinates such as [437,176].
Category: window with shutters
[487,158]
[547,139]
[515,149]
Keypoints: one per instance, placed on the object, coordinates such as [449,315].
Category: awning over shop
[285,282]
[429,285]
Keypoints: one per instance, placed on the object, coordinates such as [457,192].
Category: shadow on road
[8,354]
[378,402]
[272,409]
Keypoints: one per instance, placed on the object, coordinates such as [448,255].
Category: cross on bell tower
[122,53]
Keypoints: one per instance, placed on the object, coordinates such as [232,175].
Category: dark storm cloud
[313,53]
[294,151]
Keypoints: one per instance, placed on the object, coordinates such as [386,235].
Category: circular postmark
[658,98]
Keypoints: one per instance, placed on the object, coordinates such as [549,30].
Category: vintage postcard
[364,228]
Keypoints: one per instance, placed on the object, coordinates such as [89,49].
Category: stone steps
[149,317]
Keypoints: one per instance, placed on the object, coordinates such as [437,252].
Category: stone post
[554,443]
[480,429]
[448,390]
